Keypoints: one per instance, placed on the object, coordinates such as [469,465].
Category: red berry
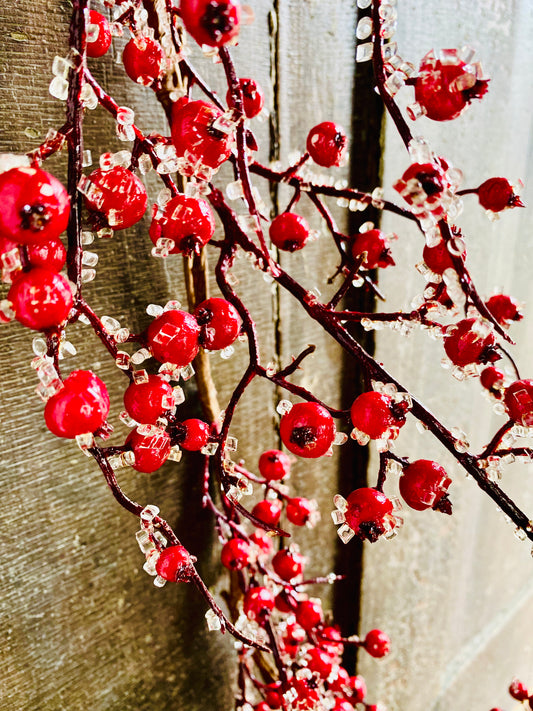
[466,343]
[252,97]
[263,542]
[273,695]
[196,435]
[438,258]
[369,513]
[291,640]
[309,614]
[444,89]
[173,337]
[196,139]
[285,602]
[220,323]
[504,309]
[274,465]
[375,245]
[518,399]
[120,197]
[175,564]
[299,510]
[377,643]
[289,231]
[258,603]
[319,662]
[307,430]
[146,402]
[330,640]
[342,705]
[143,60]
[35,206]
[187,221]
[268,511]
[432,178]
[211,22]
[377,415]
[326,144]
[235,554]
[497,194]
[518,690]
[424,484]
[288,565]
[492,379]
[262,706]
[341,683]
[41,298]
[49,255]
[80,406]
[359,688]
[151,450]
[307,694]
[99,45]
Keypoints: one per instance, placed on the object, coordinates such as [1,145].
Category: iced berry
[285,601]
[445,88]
[341,683]
[504,309]
[307,430]
[319,661]
[307,694]
[211,22]
[424,484]
[263,542]
[288,564]
[377,415]
[377,643]
[301,511]
[235,554]
[262,706]
[293,636]
[369,513]
[359,688]
[187,221]
[274,465]
[330,640]
[374,245]
[146,402]
[342,705]
[143,60]
[252,97]
[497,194]
[41,298]
[151,450]
[493,380]
[196,435]
[309,614]
[326,144]
[268,511]
[198,142]
[80,406]
[175,564]
[518,690]
[49,255]
[100,41]
[173,337]
[220,323]
[289,231]
[438,258]
[518,399]
[431,178]
[35,206]
[258,604]
[468,342]
[119,197]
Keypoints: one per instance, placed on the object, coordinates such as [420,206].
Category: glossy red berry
[187,221]
[307,693]
[285,602]
[377,643]
[198,142]
[518,399]
[374,245]
[300,510]
[252,97]
[377,415]
[120,197]
[211,22]
[432,178]
[146,402]
[288,564]
[48,255]
[258,603]
[497,194]
[518,690]
[35,206]
[235,554]
[330,640]
[289,231]
[41,298]
[220,323]
[173,337]
[504,309]
[98,45]
[493,380]
[80,406]
[309,614]
[369,513]
[273,695]
[342,705]
[263,542]
[175,564]
[268,511]
[262,706]
[319,662]
[424,484]
[151,450]
[307,430]
[274,465]
[327,144]
[341,683]
[438,258]
[143,60]
[196,435]
[359,688]
[465,342]
[445,88]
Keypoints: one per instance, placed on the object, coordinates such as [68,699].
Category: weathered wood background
[82,626]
